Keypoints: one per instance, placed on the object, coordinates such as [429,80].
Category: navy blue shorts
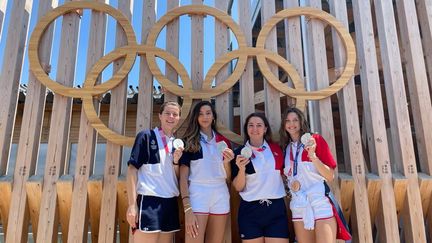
[263,219]
[158,214]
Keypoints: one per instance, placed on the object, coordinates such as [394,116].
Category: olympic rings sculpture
[129,52]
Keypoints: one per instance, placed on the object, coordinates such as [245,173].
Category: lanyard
[296,158]
[164,141]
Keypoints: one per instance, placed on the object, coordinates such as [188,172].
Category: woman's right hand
[241,162]
[191,224]
[132,215]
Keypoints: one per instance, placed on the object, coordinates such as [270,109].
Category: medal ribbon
[296,157]
[164,141]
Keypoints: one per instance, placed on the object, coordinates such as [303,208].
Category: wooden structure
[365,112]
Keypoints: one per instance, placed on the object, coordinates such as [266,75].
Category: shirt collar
[204,137]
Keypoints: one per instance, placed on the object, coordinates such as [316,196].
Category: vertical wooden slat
[374,120]
[197,49]
[59,131]
[29,137]
[64,200]
[117,113]
[293,43]
[33,188]
[5,205]
[223,101]
[424,11]
[172,46]
[402,143]
[351,130]
[78,226]
[10,74]
[122,207]
[94,187]
[420,100]
[272,100]
[145,97]
[247,79]
[3,4]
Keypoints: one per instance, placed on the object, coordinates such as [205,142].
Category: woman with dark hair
[256,174]
[204,171]
[152,184]
[308,164]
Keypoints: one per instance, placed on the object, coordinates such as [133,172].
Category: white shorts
[213,199]
[320,204]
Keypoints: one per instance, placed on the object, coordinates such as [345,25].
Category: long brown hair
[192,134]
[285,138]
[267,135]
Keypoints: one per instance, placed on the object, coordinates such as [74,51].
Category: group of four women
[260,171]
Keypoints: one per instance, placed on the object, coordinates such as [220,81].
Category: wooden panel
[59,131]
[10,74]
[346,185]
[172,46]
[145,97]
[293,46]
[33,189]
[425,184]
[424,11]
[3,4]
[78,226]
[402,143]
[374,121]
[30,135]
[64,188]
[122,207]
[94,187]
[108,225]
[5,202]
[272,104]
[420,100]
[247,78]
[374,184]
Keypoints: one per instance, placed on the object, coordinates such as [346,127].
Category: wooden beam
[272,104]
[33,189]
[247,78]
[172,46]
[94,187]
[5,202]
[10,74]
[425,184]
[403,149]
[59,130]
[424,11]
[122,207]
[400,184]
[374,184]
[78,226]
[346,185]
[64,189]
[373,115]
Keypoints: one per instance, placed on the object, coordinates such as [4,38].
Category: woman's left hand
[310,148]
[228,155]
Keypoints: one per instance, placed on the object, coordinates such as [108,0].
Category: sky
[184,48]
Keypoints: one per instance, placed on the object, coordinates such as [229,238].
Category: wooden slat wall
[29,141]
[386,221]
[59,131]
[79,215]
[402,144]
[393,190]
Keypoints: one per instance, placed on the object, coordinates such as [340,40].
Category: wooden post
[33,190]
[272,96]
[420,100]
[424,11]
[374,121]
[247,78]
[94,187]
[78,226]
[10,74]
[59,131]
[122,207]
[172,46]
[64,188]
[107,226]
[399,120]
[197,49]
[5,204]
[293,45]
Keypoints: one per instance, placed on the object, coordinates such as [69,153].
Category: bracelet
[183,198]
[187,209]
[175,163]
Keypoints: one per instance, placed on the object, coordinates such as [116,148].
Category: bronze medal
[295,186]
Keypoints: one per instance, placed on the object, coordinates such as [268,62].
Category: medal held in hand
[221,146]
[246,152]
[306,139]
[178,143]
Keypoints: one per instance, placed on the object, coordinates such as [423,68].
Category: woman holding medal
[204,170]
[152,185]
[256,174]
[308,164]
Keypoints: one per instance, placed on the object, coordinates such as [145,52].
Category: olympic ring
[132,49]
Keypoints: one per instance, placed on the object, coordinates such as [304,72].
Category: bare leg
[166,237]
[325,230]
[216,228]
[257,240]
[303,235]
[275,240]
[140,236]
[202,224]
